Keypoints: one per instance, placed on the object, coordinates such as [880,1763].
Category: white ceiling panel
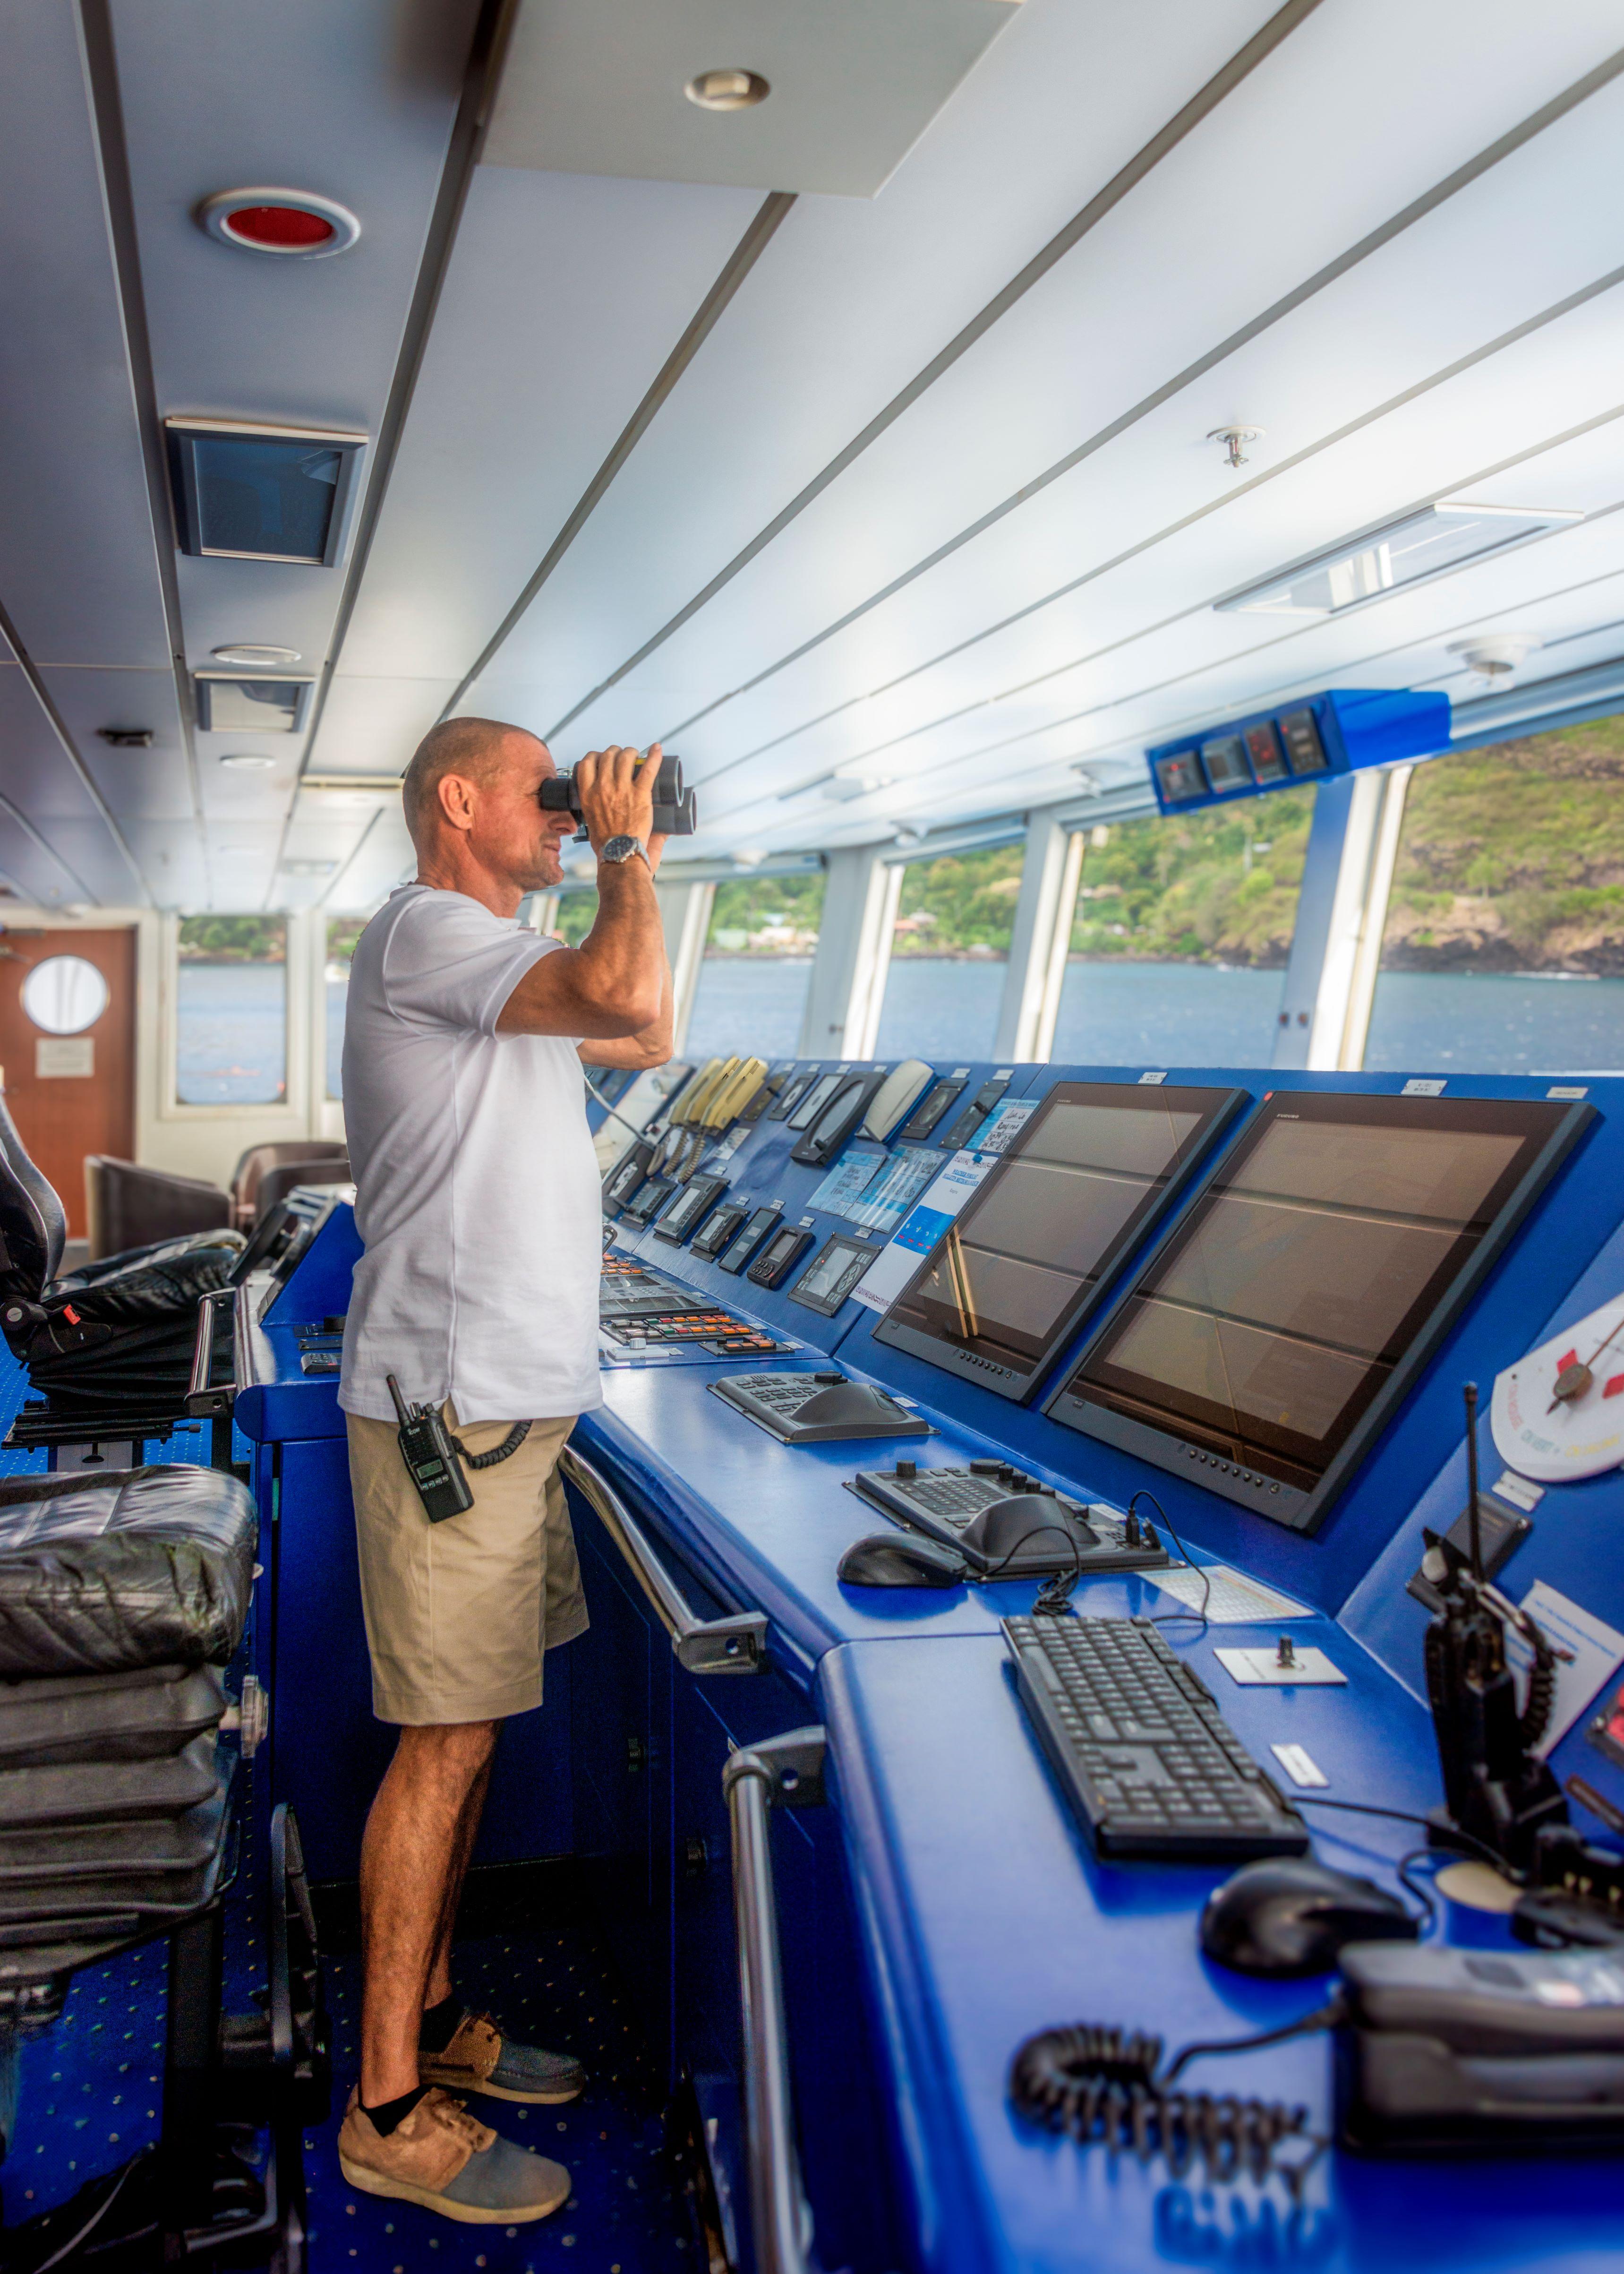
[563,298]
[1089,341]
[150,785]
[374,725]
[1393,323]
[78,572]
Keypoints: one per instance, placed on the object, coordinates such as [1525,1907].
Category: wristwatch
[622,849]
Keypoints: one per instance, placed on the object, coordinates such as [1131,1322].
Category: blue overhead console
[1340,732]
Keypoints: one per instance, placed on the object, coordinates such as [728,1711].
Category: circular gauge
[1559,1413]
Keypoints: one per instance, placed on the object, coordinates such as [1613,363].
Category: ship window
[948,954]
[757,966]
[231,1011]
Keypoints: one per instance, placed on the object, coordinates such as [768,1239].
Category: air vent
[262,493]
[255,706]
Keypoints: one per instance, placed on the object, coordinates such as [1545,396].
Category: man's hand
[617,796]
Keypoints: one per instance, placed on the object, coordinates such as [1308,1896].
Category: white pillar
[847,987]
[685,914]
[1042,934]
[1341,910]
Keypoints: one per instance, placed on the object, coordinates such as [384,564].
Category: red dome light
[287,224]
[282,226]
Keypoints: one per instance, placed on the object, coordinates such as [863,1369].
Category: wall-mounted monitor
[1275,1331]
[1035,1247]
[252,493]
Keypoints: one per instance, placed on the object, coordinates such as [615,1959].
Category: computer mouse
[1289,1915]
[1034,1519]
[901,1559]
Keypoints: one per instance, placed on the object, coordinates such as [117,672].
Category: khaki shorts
[459,1614]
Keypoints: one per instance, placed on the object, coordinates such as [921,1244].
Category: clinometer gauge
[1559,1412]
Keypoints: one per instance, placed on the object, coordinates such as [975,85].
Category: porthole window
[65,995]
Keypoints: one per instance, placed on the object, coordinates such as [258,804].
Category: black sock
[439,2024]
[389,2113]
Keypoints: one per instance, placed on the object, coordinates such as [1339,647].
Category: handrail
[202,1397]
[735,1644]
[787,1771]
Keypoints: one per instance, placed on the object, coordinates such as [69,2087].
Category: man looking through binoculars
[477,1197]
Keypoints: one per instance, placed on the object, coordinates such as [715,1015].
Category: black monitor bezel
[863,1251]
[1005,1381]
[1189,1454]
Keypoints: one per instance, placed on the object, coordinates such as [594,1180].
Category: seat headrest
[33,1223]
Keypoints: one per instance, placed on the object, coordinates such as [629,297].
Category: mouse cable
[1399,1816]
[1323,2017]
[1177,1618]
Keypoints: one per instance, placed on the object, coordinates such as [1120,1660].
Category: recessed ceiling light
[247,761]
[291,225]
[726,90]
[1380,561]
[244,652]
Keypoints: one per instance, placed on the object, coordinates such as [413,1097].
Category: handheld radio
[430,1454]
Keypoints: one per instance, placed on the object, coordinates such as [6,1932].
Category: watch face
[621,849]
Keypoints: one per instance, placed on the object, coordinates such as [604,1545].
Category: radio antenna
[1474,1527]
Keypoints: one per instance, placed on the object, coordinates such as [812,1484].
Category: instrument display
[713,1237]
[744,1245]
[1035,1245]
[833,1272]
[774,1265]
[684,1214]
[1287,1313]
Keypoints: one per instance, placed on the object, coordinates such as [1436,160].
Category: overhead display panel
[1035,1247]
[1339,732]
[1275,1330]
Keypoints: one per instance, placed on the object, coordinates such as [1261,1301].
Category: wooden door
[70,1092]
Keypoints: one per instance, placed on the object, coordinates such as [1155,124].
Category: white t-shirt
[477,1187]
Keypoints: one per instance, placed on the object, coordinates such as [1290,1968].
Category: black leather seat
[115,1339]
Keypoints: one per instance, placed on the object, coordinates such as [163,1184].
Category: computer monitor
[1034,1246]
[1275,1331]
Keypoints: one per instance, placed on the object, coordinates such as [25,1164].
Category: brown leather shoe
[446,2160]
[483,2058]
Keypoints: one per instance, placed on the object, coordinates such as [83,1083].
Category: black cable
[1399,1816]
[1176,1618]
[1423,1895]
[504,1452]
[1323,2017]
[1036,1533]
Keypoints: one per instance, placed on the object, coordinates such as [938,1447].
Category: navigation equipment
[814,1100]
[781,1256]
[844,1110]
[794,1089]
[649,1196]
[833,1272]
[1035,1247]
[1274,1332]
[940,1100]
[977,1111]
[628,1172]
[744,1245]
[681,1218]
[807,1409]
[1054,1534]
[714,1235]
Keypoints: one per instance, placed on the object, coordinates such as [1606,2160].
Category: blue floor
[89,2097]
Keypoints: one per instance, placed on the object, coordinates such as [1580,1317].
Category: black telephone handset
[431,1458]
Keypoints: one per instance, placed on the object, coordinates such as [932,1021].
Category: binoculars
[676,810]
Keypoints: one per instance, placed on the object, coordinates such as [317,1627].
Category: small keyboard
[808,1409]
[1147,1761]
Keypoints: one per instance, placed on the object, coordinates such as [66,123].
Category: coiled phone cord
[1097,2082]
[504,1452]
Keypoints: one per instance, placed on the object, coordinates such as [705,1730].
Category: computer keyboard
[1145,1759]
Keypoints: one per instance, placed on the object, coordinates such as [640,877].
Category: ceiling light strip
[739,263]
[479,78]
[1223,82]
[1472,170]
[1422,387]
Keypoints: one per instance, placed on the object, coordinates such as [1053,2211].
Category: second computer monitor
[1036,1245]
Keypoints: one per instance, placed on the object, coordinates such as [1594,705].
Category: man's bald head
[475,748]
